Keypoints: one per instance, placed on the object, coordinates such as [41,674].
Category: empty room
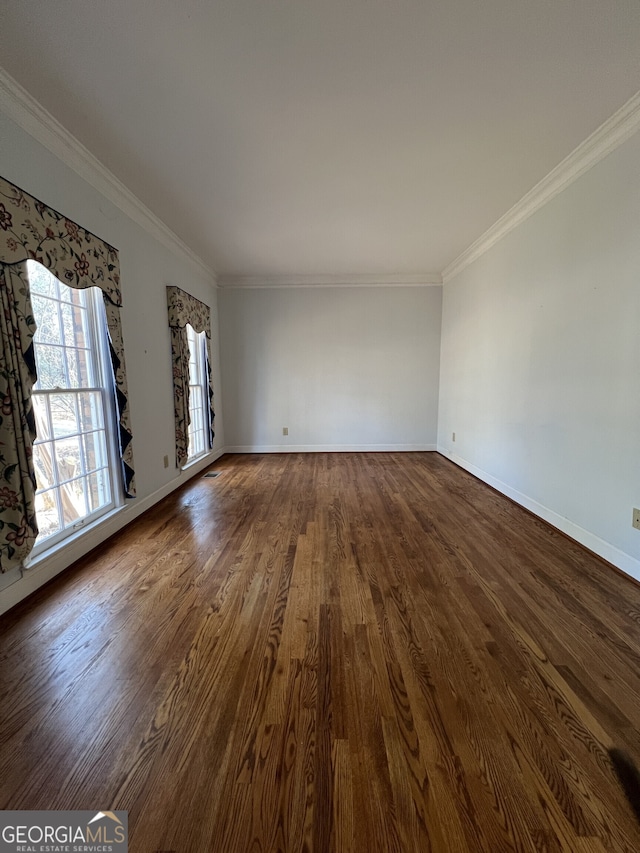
[320,426]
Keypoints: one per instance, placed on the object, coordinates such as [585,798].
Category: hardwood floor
[348,652]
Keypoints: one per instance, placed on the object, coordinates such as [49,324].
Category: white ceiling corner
[611,134]
[30,115]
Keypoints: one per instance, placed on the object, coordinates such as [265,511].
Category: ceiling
[327,137]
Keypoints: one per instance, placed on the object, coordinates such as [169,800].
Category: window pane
[90,410]
[41,280]
[68,458]
[196,426]
[95,450]
[73,370]
[74,295]
[47,514]
[46,311]
[79,368]
[84,368]
[98,489]
[51,368]
[64,417]
[41,414]
[74,325]
[74,505]
[43,463]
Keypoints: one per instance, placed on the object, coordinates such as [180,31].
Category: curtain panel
[18,526]
[184,310]
[31,230]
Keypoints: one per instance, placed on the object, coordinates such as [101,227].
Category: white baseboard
[51,564]
[628,564]
[329,448]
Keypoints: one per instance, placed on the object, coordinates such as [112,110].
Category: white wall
[540,372]
[147,266]
[342,368]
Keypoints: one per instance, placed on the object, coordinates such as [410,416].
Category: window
[198,394]
[73,402]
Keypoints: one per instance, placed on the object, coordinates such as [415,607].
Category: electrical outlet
[285,430]
[453,436]
[636,518]
[166,461]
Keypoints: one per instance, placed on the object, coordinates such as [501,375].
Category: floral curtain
[18,527]
[31,230]
[186,309]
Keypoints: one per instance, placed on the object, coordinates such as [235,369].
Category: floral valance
[186,309]
[31,229]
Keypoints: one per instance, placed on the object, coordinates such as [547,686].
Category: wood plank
[338,653]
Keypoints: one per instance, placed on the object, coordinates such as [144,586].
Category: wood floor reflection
[330,652]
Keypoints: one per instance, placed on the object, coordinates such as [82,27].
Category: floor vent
[212,474]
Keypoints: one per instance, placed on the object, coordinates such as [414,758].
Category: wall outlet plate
[636,518]
[285,430]
[166,461]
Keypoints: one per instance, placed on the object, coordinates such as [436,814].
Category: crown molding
[31,116]
[276,281]
[609,136]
